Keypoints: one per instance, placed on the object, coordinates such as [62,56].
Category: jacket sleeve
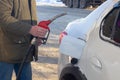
[10,23]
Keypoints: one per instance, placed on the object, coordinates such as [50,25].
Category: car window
[110,26]
[109,23]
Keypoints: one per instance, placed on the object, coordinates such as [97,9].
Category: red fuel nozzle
[44,24]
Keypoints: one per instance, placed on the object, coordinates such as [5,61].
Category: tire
[76,3]
[83,4]
[71,72]
[70,3]
[65,2]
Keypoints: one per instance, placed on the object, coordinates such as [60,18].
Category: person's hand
[39,41]
[38,31]
[43,24]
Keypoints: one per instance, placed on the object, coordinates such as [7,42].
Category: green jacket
[15,23]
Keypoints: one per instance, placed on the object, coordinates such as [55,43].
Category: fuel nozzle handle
[44,24]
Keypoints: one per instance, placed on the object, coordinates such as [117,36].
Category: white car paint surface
[81,28]
[67,48]
[98,59]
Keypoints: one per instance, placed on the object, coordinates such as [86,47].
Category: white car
[90,47]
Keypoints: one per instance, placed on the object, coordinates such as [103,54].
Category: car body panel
[81,28]
[105,54]
[98,60]
[67,46]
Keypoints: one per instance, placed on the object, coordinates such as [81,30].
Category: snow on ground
[49,2]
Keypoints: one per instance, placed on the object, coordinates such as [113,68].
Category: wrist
[33,30]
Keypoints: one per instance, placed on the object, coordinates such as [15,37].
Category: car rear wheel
[70,3]
[71,72]
[83,4]
[76,3]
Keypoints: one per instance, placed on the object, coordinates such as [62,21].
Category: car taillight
[61,36]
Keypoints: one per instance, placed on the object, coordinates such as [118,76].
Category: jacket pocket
[20,40]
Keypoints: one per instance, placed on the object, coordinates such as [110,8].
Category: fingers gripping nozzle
[44,24]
